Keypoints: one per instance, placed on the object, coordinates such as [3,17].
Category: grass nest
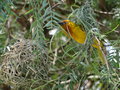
[24,63]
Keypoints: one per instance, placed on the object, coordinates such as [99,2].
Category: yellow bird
[79,35]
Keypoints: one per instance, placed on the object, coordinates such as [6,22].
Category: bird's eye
[62,23]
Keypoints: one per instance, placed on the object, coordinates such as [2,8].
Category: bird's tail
[102,54]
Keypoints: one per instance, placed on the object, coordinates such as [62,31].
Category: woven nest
[23,62]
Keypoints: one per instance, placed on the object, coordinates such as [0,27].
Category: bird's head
[66,24]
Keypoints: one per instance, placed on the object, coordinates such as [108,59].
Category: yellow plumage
[79,35]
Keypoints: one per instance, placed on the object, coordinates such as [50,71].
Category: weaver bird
[78,34]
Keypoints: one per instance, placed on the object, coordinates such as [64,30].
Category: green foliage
[56,62]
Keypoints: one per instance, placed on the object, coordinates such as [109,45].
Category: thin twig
[101,12]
